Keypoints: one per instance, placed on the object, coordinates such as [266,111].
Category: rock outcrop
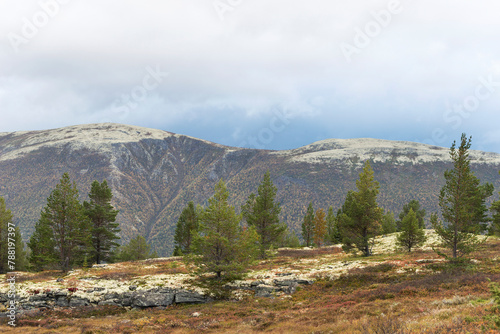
[157,297]
[135,299]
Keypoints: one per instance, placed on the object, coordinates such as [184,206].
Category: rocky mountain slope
[154,173]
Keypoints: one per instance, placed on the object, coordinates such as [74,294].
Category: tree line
[70,233]
[462,201]
[220,243]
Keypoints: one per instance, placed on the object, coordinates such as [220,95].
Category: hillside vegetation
[388,292]
[154,174]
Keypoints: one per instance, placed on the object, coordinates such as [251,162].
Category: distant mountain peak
[378,150]
[99,136]
[154,173]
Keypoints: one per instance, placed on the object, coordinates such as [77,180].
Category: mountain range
[154,173]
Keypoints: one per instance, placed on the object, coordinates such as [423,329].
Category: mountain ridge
[330,144]
[154,173]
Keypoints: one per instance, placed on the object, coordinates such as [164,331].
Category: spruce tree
[412,235]
[462,203]
[361,217]
[420,213]
[187,225]
[308,225]
[319,227]
[63,232]
[262,212]
[102,217]
[224,248]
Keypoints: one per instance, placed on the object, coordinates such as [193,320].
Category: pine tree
[5,219]
[187,225]
[136,250]
[462,203]
[224,248]
[495,225]
[333,235]
[63,233]
[412,235]
[10,235]
[308,225]
[262,212]
[102,216]
[319,227]
[361,217]
[42,246]
[290,240]
[389,223]
[434,219]
[415,205]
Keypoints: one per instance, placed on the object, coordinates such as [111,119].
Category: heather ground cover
[389,292]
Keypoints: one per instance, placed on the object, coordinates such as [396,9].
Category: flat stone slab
[151,299]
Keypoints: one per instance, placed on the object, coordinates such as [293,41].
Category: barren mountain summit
[379,150]
[100,136]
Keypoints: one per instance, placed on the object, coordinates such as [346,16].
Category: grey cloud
[265,54]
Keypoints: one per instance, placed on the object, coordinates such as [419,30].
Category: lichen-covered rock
[190,297]
[290,289]
[35,305]
[113,302]
[290,282]
[265,290]
[60,293]
[76,302]
[62,302]
[256,283]
[40,297]
[152,299]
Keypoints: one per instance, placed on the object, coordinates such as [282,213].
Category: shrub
[495,291]
[384,325]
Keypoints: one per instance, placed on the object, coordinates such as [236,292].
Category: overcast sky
[272,74]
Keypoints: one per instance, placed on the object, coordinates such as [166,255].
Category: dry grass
[39,276]
[393,293]
[128,270]
[309,253]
